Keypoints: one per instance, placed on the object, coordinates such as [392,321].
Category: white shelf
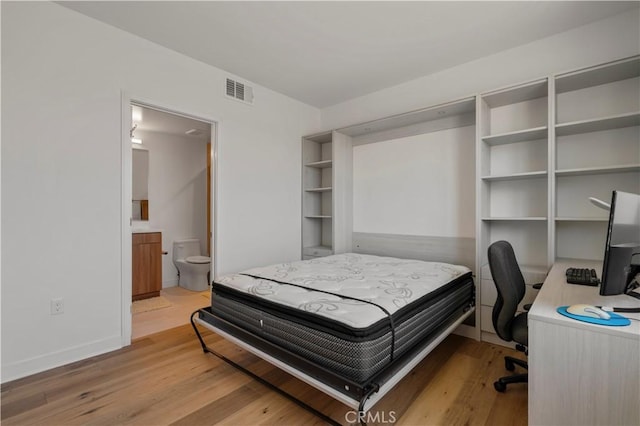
[517,136]
[326,189]
[321,138]
[582,219]
[512,171]
[598,124]
[322,248]
[327,160]
[516,176]
[511,95]
[595,76]
[437,112]
[320,164]
[598,170]
[542,154]
[317,250]
[515,219]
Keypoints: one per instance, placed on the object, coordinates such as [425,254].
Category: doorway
[178,203]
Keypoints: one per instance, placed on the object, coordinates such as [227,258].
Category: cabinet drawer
[316,251]
[147,238]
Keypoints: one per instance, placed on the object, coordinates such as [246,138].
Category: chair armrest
[537,286]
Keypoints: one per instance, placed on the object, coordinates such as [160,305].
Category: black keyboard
[582,276]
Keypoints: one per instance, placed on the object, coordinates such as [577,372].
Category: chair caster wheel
[500,387]
[510,366]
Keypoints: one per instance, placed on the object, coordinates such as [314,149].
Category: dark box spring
[357,358]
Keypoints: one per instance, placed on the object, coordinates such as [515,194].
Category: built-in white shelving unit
[542,149]
[513,184]
[596,151]
[326,176]
[317,205]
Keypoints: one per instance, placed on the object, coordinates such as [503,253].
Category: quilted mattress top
[389,282]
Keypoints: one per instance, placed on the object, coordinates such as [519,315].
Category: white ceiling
[323,53]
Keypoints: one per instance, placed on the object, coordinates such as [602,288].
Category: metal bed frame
[357,396]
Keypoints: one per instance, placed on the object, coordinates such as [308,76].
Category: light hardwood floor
[183,303]
[166,379]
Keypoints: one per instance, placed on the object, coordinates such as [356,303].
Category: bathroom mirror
[140,190]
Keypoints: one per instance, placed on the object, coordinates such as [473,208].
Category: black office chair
[509,326]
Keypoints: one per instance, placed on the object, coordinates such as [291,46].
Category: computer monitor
[622,249]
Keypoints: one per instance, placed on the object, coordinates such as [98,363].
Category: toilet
[192,267]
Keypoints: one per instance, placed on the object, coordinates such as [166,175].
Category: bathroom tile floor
[183,303]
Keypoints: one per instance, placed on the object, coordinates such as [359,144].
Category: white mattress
[388,282]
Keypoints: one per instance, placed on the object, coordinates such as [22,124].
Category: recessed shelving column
[513,157]
[326,199]
[317,205]
[512,169]
[597,150]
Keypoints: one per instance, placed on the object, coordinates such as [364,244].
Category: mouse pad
[615,320]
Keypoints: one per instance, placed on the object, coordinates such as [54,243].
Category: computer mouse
[588,311]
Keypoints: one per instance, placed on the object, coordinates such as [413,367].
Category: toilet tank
[185,248]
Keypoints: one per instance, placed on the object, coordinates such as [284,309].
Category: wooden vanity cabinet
[147,265]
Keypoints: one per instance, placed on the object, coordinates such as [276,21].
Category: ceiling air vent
[239,91]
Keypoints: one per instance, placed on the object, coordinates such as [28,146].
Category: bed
[352,325]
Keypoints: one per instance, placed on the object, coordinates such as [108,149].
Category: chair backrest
[510,285]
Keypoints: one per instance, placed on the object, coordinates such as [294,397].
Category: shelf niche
[326,177]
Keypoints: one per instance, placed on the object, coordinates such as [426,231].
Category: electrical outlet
[57,306]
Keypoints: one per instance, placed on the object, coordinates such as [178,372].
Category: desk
[580,373]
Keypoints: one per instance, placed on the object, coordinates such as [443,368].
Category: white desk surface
[557,292]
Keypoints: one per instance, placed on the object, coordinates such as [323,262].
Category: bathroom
[171,192]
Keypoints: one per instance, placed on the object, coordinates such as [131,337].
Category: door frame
[126,190]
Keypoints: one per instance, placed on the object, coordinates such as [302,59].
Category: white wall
[605,40]
[62,77]
[177,193]
[416,185]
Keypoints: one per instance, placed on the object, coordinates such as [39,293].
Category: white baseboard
[466,331]
[170,283]
[20,369]
[493,338]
